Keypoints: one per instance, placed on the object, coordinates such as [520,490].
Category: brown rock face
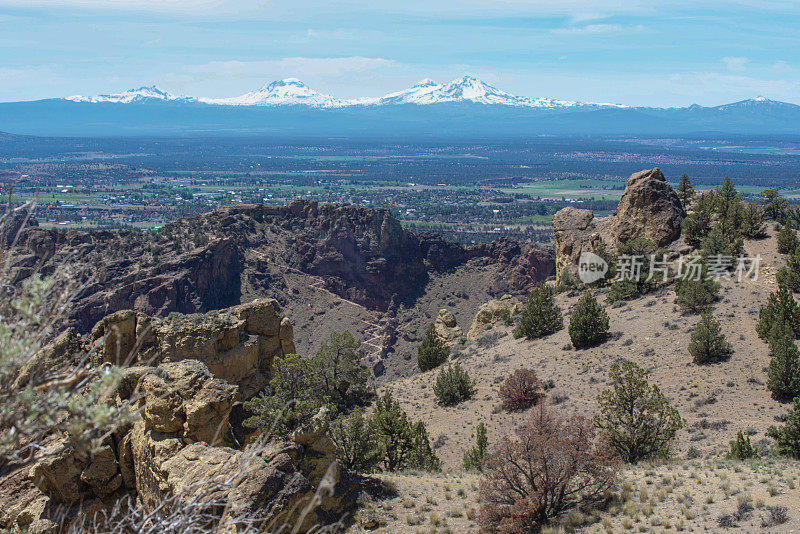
[649,208]
[576,231]
[447,328]
[237,344]
[202,263]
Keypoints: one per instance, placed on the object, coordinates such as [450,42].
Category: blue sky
[634,52]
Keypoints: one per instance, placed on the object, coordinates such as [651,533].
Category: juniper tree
[637,419]
[357,446]
[453,385]
[685,190]
[708,343]
[787,240]
[741,449]
[781,308]
[393,431]
[588,325]
[432,351]
[421,455]
[342,378]
[541,316]
[775,206]
[695,293]
[787,436]
[695,227]
[474,457]
[783,373]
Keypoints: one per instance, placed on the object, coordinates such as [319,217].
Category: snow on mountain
[468,89]
[132,95]
[288,92]
[757,103]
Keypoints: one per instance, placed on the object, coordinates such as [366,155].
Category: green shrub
[775,206]
[787,436]
[636,417]
[787,240]
[474,457]
[588,325]
[421,455]
[783,374]
[752,225]
[432,352]
[343,380]
[541,316]
[357,447]
[685,190]
[404,445]
[708,343]
[741,449]
[696,294]
[722,241]
[781,308]
[291,400]
[789,276]
[453,385]
[695,227]
[642,249]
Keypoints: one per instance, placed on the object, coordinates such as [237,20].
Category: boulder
[649,208]
[447,328]
[493,313]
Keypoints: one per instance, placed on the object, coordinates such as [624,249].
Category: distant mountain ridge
[293,92]
[466,108]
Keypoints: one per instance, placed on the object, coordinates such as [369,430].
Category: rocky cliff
[236,253]
[185,376]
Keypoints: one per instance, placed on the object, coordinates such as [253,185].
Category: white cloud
[736,64]
[298,67]
[599,29]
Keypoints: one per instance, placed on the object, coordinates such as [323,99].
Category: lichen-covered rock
[649,208]
[493,313]
[447,328]
[575,231]
[118,333]
[58,475]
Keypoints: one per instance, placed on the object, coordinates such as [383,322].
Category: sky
[635,52]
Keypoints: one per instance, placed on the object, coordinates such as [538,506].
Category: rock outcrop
[187,374]
[493,313]
[649,208]
[447,328]
[237,344]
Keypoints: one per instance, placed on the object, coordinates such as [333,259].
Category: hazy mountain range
[463,108]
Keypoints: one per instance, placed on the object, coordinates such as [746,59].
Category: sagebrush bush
[708,343]
[432,351]
[588,325]
[453,385]
[552,465]
[521,390]
[541,316]
[636,418]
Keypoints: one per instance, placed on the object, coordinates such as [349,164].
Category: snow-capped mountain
[132,95]
[293,92]
[288,92]
[755,104]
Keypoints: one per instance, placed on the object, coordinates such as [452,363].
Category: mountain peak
[146,92]
[286,92]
